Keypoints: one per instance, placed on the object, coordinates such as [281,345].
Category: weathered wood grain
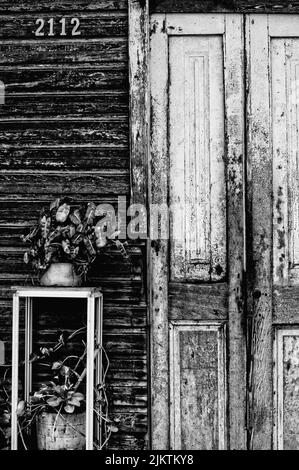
[259,179]
[139,96]
[62,159]
[112,182]
[63,52]
[286,355]
[235,144]
[197,386]
[285,305]
[111,132]
[115,316]
[283,121]
[184,303]
[63,105]
[120,289]
[207,6]
[95,26]
[159,250]
[67,78]
[24,6]
[197,172]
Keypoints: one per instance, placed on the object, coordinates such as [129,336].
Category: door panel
[197,151]
[286,377]
[197,365]
[285,69]
[273,51]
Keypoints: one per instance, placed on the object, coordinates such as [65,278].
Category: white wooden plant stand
[94,307]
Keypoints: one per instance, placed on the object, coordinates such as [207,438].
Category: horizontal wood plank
[64,159]
[57,133]
[63,52]
[117,289]
[95,26]
[22,210]
[205,6]
[63,105]
[67,78]
[115,316]
[63,183]
[198,301]
[25,6]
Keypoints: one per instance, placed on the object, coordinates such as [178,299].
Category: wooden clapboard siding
[113,182]
[64,52]
[62,159]
[62,5]
[64,129]
[91,26]
[206,6]
[74,78]
[63,105]
[61,133]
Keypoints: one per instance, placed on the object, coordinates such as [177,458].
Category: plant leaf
[75,217]
[73,401]
[90,213]
[66,246]
[45,223]
[54,401]
[55,204]
[89,246]
[56,365]
[62,213]
[65,371]
[21,408]
[79,396]
[69,409]
[113,428]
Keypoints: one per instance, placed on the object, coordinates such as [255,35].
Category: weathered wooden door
[272,46]
[201,332]
[197,153]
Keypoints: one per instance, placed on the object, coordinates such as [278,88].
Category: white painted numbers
[52,27]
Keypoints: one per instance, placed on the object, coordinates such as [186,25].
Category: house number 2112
[49,28]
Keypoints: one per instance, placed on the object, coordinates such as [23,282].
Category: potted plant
[5,408]
[66,240]
[58,407]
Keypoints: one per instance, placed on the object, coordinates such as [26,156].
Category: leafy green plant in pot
[5,408]
[58,407]
[66,240]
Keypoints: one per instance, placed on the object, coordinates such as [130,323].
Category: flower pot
[61,274]
[60,432]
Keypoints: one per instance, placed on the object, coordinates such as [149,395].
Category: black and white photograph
[149,228]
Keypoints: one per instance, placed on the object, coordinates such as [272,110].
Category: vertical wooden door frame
[259,180]
[156,162]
